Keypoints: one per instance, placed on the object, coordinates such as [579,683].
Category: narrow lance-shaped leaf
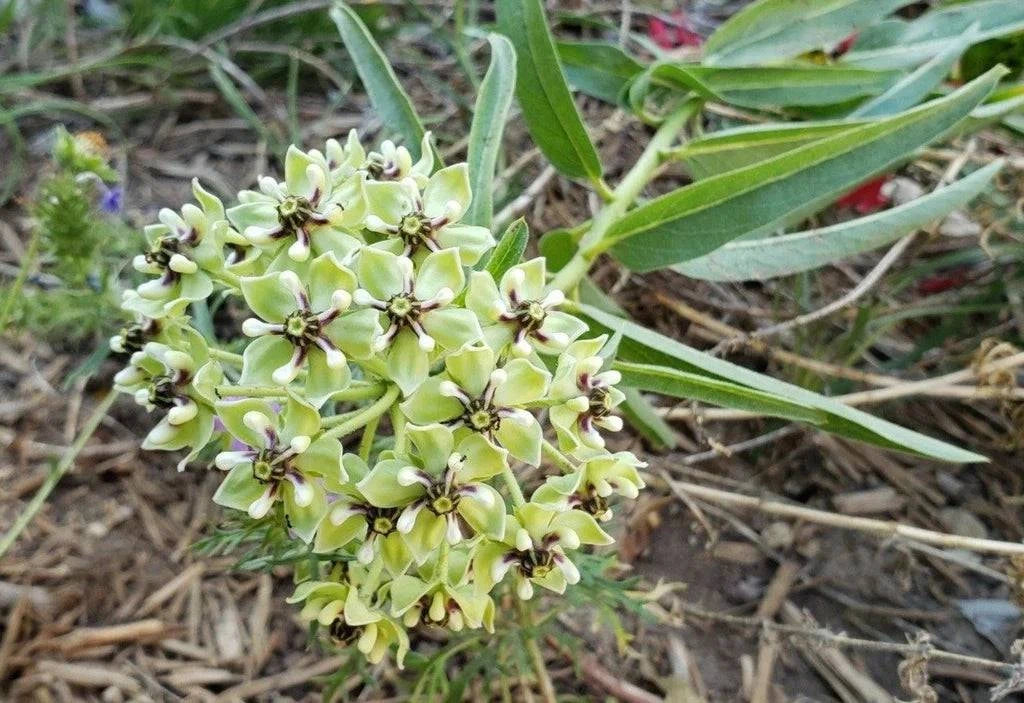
[770,31]
[896,44]
[763,87]
[731,149]
[543,93]
[759,259]
[701,217]
[646,346]
[913,88]
[489,117]
[598,69]
[508,251]
[393,106]
[701,387]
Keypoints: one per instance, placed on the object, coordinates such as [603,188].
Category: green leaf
[558,246]
[645,346]
[763,87]
[672,382]
[393,106]
[542,91]
[774,30]
[598,69]
[641,416]
[913,88]
[730,149]
[508,251]
[897,44]
[489,117]
[699,218]
[759,259]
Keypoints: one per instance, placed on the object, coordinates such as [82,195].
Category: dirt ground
[104,598]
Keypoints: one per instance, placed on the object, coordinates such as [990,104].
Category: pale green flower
[351,518]
[390,163]
[592,484]
[441,489]
[589,396]
[533,548]
[444,600]
[283,461]
[415,310]
[179,382]
[133,337]
[303,327]
[415,224]
[182,248]
[519,311]
[337,606]
[476,396]
[305,212]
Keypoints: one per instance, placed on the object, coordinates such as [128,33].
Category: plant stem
[398,428]
[547,688]
[14,291]
[364,415]
[223,355]
[560,460]
[886,528]
[441,570]
[366,443]
[372,578]
[58,471]
[622,197]
[513,486]
[229,391]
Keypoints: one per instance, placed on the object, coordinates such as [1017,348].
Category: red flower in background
[867,197]
[673,33]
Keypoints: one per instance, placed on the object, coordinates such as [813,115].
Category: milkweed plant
[370,307]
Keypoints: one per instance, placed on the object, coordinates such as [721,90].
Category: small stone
[963,522]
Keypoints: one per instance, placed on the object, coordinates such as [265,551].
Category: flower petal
[239,489]
[380,274]
[522,440]
[427,405]
[326,276]
[440,269]
[448,184]
[381,486]
[526,383]
[261,357]
[434,444]
[232,412]
[268,297]
[408,364]
[452,328]
[471,368]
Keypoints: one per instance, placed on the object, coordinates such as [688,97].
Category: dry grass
[102,597]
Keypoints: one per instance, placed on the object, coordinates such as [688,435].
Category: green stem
[366,443]
[372,579]
[230,280]
[623,196]
[14,292]
[557,458]
[229,357]
[398,428]
[512,483]
[58,472]
[547,688]
[229,391]
[365,415]
[441,570]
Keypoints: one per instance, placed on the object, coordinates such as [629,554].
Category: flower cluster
[370,308]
